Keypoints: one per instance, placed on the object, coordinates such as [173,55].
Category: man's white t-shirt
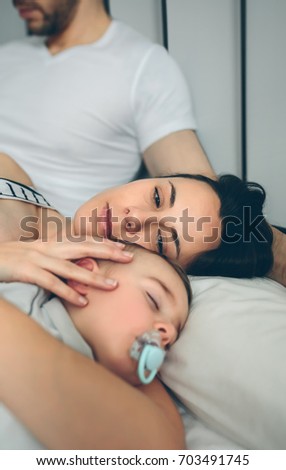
[78,121]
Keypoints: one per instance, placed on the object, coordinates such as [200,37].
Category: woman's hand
[45,263]
[278,272]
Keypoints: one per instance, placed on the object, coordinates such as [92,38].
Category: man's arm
[71,402]
[179,152]
[278,272]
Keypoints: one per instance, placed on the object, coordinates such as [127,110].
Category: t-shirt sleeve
[160,98]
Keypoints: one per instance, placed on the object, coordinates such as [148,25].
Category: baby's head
[152,294]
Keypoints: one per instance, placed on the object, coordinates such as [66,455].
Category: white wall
[204,39]
[267,101]
[11,26]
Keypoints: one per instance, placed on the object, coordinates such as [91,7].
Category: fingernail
[83,300]
[120,244]
[128,254]
[110,282]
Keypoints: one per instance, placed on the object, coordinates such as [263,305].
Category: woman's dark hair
[245,250]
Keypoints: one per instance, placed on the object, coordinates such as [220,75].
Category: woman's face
[177,217]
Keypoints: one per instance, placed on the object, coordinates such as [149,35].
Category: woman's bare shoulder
[172,425]
[11,170]
[13,211]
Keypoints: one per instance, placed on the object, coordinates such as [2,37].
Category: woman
[78,404]
[73,402]
[202,223]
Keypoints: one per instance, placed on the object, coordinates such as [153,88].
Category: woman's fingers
[104,249]
[54,284]
[48,274]
[46,264]
[70,271]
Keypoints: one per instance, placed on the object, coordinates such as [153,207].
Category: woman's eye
[160,244]
[156,197]
[155,304]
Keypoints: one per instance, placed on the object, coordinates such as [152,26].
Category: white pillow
[229,365]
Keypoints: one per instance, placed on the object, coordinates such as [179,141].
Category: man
[88,97]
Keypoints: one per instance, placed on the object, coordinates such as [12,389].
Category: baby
[152,296]
[148,308]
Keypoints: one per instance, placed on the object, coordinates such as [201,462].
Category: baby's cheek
[129,372]
[139,317]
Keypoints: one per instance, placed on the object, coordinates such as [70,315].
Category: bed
[228,368]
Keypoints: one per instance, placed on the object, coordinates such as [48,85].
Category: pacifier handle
[151,359]
[147,350]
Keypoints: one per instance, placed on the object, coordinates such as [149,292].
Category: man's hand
[278,272]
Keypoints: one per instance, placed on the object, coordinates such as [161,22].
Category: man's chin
[38,29]
[35,32]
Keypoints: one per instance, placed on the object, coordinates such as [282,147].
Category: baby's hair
[133,247]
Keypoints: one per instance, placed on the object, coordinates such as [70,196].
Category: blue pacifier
[147,350]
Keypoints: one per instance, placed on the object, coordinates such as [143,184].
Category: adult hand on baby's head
[278,272]
[45,263]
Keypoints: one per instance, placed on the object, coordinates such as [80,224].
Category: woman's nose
[136,219]
[132,224]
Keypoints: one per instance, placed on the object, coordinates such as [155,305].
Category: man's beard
[53,23]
